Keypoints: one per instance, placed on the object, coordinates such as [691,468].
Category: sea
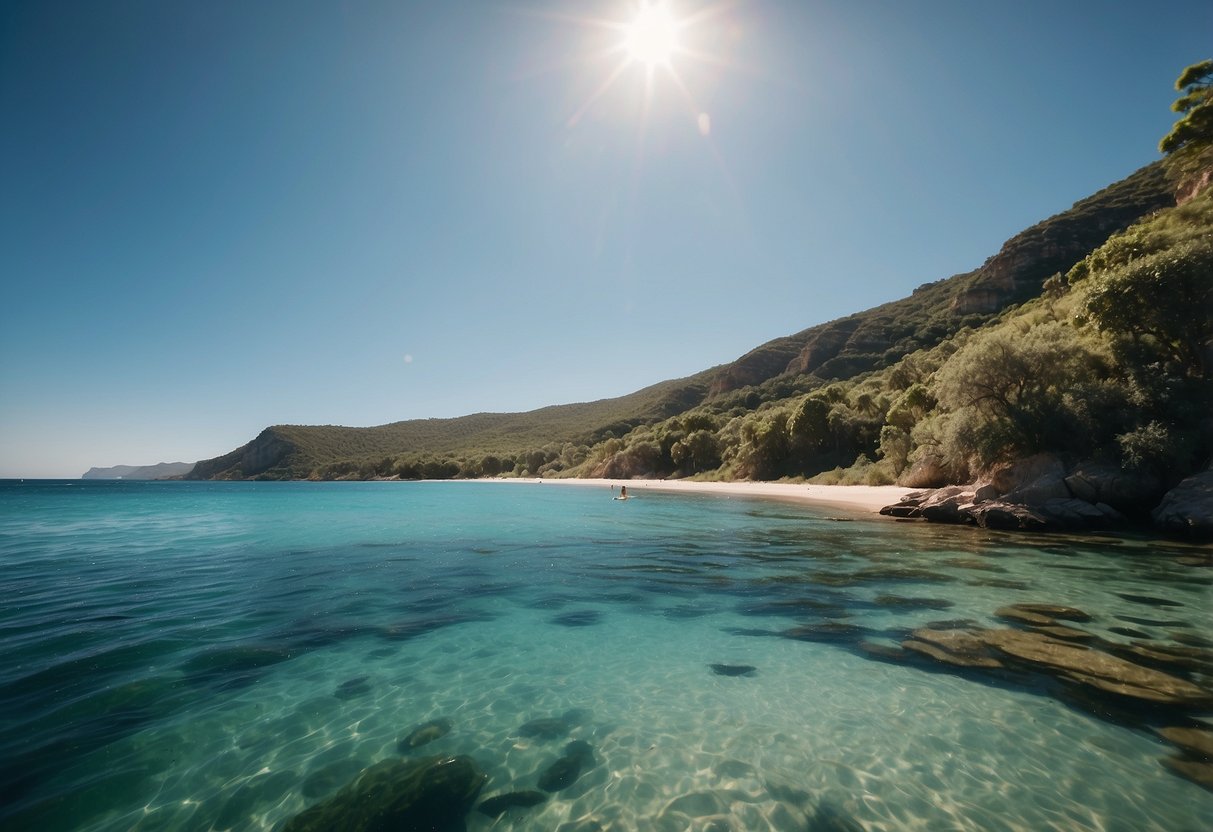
[214,655]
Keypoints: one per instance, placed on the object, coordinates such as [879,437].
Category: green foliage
[1008,388]
[696,453]
[1196,104]
[1164,298]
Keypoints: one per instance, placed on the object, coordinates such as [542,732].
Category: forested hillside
[1087,335]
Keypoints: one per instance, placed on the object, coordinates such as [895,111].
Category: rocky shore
[1041,494]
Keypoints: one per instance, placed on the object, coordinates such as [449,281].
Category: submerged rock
[549,728]
[232,666]
[424,734]
[1067,633]
[1197,742]
[901,602]
[1197,771]
[1019,616]
[501,803]
[563,773]
[352,688]
[733,669]
[960,648]
[580,618]
[328,779]
[434,793]
[829,632]
[1096,669]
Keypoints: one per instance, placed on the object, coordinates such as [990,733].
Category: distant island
[159,471]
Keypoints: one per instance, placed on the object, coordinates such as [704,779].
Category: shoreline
[864,500]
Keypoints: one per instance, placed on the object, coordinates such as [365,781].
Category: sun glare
[651,37]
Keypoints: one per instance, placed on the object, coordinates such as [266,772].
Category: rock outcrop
[1040,494]
[1187,509]
[435,793]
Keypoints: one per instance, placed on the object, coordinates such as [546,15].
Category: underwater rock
[1195,741]
[549,728]
[955,647]
[501,803]
[352,688]
[1067,633]
[328,779]
[424,734]
[434,793]
[1173,657]
[999,583]
[406,630]
[579,618]
[1198,772]
[733,669]
[804,607]
[1148,600]
[908,574]
[233,666]
[545,728]
[901,602]
[1191,639]
[829,632]
[1096,669]
[1019,616]
[881,652]
[829,818]
[564,772]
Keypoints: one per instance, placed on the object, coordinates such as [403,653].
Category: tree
[1165,298]
[1189,145]
[696,452]
[1196,103]
[1010,393]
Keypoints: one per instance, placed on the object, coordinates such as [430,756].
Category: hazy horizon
[218,217]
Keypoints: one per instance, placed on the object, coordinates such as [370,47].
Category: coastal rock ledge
[1188,508]
[1040,494]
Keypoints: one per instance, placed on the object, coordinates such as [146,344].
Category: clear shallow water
[223,655]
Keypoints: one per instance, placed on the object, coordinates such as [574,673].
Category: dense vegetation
[1087,335]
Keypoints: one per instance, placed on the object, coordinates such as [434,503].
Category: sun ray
[598,93]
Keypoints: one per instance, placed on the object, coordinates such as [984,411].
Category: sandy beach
[862,499]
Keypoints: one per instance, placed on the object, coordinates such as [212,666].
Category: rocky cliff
[881,336]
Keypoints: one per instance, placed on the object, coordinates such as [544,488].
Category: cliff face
[881,336]
[268,450]
[1031,257]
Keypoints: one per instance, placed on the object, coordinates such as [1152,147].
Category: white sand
[857,498]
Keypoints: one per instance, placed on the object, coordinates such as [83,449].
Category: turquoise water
[205,656]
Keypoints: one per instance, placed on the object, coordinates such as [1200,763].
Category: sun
[651,37]
[658,43]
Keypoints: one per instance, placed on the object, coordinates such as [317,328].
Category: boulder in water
[434,793]
[501,803]
[733,669]
[424,734]
[563,773]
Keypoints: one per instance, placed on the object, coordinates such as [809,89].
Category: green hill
[300,451]
[563,439]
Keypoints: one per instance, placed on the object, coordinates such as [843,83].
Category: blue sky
[217,216]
